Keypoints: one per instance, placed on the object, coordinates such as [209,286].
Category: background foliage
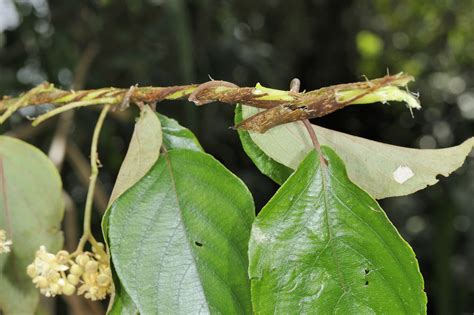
[159,42]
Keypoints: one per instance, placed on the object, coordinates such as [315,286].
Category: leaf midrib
[173,181]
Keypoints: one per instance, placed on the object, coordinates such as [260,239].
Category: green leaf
[35,206]
[143,151]
[323,246]
[372,165]
[120,302]
[276,171]
[176,136]
[179,237]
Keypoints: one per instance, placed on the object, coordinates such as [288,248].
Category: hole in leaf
[366,271]
[366,282]
[198,244]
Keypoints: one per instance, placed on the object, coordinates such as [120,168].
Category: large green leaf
[381,169]
[174,136]
[323,246]
[178,238]
[120,302]
[143,151]
[35,205]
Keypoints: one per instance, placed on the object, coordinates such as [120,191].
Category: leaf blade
[323,245]
[276,171]
[174,136]
[204,241]
[370,164]
[142,153]
[34,200]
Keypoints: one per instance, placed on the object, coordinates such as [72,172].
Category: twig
[295,85]
[70,106]
[281,106]
[213,83]
[87,234]
[314,139]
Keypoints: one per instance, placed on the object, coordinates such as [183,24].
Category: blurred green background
[94,44]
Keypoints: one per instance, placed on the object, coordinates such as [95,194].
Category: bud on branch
[279,106]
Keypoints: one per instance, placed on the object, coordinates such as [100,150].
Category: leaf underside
[142,153]
[324,246]
[370,164]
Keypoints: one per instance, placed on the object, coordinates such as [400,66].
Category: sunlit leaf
[372,165]
[323,246]
[34,204]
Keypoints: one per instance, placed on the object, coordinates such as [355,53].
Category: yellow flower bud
[82,259]
[62,256]
[69,289]
[55,289]
[103,280]
[31,271]
[73,279]
[41,282]
[76,270]
[91,266]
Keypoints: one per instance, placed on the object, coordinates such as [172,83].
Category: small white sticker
[402,174]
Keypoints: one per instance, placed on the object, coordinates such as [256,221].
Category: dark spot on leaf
[366,271]
[197,243]
[366,283]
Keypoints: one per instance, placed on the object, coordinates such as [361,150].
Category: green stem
[87,234]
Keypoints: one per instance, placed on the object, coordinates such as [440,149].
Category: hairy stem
[281,106]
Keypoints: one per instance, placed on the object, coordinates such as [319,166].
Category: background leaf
[34,200]
[323,246]
[142,153]
[370,164]
[178,238]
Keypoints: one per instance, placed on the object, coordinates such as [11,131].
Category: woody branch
[279,106]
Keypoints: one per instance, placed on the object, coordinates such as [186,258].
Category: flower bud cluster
[4,243]
[60,273]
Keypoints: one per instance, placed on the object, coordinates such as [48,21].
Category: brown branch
[282,106]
